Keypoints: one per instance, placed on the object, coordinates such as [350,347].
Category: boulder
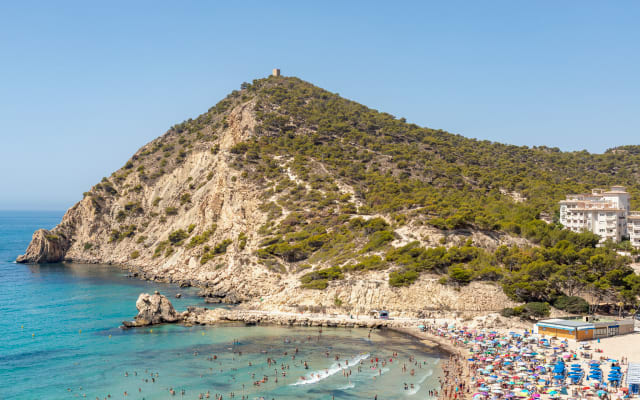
[45,247]
[153,309]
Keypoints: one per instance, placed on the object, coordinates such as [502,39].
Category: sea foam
[317,376]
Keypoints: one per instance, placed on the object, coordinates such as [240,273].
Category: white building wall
[605,213]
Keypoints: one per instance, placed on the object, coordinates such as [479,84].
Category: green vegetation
[185,198]
[318,279]
[164,246]
[571,304]
[171,211]
[177,237]
[242,241]
[123,232]
[533,310]
[87,246]
[202,238]
[134,254]
[218,249]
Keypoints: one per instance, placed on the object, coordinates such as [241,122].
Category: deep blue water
[61,339]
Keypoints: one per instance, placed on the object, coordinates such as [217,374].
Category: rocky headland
[285,197]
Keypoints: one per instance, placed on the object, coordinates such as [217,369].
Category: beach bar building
[583,329]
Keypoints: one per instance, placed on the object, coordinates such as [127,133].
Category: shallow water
[61,340]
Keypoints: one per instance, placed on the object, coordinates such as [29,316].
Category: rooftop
[572,323]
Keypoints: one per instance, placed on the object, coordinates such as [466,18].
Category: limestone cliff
[205,204]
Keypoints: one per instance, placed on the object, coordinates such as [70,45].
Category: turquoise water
[61,340]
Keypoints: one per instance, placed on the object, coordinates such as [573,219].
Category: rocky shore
[157,309]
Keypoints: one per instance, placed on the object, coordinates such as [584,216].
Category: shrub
[242,241]
[201,238]
[377,240]
[221,247]
[571,304]
[171,211]
[318,284]
[135,254]
[509,312]
[178,236]
[367,264]
[240,148]
[87,246]
[160,248]
[318,279]
[185,198]
[405,278]
[218,249]
[121,216]
[460,275]
[375,225]
[537,309]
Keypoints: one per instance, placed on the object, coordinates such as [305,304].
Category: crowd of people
[489,365]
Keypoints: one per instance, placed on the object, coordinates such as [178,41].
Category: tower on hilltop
[276,72]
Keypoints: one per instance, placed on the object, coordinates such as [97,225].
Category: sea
[60,338]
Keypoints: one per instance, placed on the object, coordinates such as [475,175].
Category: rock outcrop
[45,247]
[153,309]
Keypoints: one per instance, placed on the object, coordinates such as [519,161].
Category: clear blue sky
[84,84]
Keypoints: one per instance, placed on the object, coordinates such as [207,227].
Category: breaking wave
[428,374]
[320,375]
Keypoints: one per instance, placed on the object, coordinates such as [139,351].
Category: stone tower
[276,72]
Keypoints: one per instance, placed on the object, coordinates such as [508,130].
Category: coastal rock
[153,309]
[45,247]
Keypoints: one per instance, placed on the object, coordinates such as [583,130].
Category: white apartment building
[633,227]
[604,212]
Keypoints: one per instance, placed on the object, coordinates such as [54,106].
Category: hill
[286,195]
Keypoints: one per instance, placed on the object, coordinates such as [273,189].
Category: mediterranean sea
[61,340]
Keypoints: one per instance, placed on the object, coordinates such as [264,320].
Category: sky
[83,85]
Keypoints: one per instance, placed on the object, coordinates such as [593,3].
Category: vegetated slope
[283,187]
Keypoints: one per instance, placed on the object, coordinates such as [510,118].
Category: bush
[171,211]
[367,264]
[177,237]
[201,238]
[185,198]
[242,241]
[218,249]
[318,279]
[375,225]
[460,274]
[509,312]
[377,240]
[537,309]
[87,246]
[221,247]
[571,304]
[135,254]
[402,278]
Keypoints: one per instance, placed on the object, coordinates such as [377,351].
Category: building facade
[583,330]
[606,213]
